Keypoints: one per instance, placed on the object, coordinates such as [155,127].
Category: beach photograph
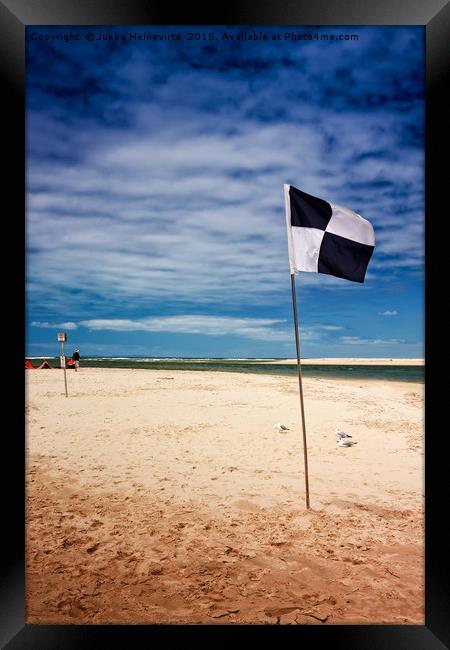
[224,363]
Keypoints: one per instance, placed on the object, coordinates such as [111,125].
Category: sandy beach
[158,496]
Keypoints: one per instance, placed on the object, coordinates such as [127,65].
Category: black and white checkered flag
[326,238]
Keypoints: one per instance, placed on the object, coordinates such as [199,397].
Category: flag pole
[300,385]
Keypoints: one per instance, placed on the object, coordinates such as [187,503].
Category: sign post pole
[62,337]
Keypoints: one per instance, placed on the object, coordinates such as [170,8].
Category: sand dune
[157,497]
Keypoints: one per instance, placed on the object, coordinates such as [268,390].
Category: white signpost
[62,338]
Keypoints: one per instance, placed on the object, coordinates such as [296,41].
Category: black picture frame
[15,15]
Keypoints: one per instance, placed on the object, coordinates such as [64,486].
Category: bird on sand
[280,427]
[343,442]
[341,434]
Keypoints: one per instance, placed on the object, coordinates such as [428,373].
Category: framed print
[233,450]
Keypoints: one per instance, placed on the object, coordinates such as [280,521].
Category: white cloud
[331,328]
[55,326]
[157,215]
[356,340]
[261,329]
[253,328]
[394,312]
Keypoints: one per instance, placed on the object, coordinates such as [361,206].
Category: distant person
[76,359]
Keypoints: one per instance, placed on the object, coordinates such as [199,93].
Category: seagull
[341,434]
[280,427]
[346,443]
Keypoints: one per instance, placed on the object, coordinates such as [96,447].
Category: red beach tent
[29,365]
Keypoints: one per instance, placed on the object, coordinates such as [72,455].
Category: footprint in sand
[92,549]
[243,504]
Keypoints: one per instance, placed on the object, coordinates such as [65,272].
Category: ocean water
[388,373]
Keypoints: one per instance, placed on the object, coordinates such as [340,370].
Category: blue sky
[155,209]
